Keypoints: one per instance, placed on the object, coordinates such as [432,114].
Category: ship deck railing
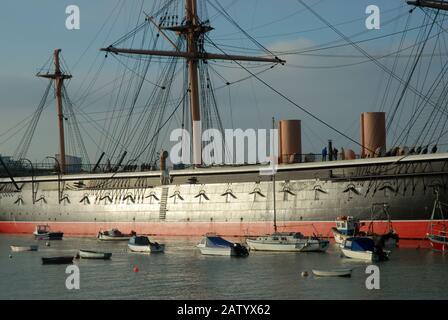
[106,171]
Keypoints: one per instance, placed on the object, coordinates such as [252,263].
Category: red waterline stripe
[406,229]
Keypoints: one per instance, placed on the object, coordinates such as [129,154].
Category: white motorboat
[24,248]
[214,245]
[142,244]
[114,235]
[288,242]
[363,248]
[333,273]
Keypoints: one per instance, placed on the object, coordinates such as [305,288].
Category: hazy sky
[30,30]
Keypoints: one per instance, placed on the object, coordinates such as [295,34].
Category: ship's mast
[192,47]
[59,78]
[442,5]
[192,30]
[273,188]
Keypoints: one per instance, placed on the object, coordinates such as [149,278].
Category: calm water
[182,273]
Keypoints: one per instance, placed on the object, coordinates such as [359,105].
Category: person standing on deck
[335,154]
[324,154]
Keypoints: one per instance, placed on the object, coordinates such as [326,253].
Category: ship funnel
[290,135]
[373,134]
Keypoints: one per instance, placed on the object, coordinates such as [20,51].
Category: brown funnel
[290,141]
[373,134]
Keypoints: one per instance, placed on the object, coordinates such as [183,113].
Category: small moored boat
[43,232]
[87,254]
[439,242]
[114,235]
[24,248]
[144,245]
[58,260]
[387,238]
[438,233]
[286,241]
[346,227]
[214,245]
[363,248]
[333,273]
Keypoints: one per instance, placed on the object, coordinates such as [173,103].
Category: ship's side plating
[231,201]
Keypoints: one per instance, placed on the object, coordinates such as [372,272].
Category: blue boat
[214,245]
[363,248]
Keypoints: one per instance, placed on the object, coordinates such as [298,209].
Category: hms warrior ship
[233,200]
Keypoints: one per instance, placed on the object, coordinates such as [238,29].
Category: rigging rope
[25,142]
[408,81]
[290,100]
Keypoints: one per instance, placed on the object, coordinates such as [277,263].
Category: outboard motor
[381,254]
[241,250]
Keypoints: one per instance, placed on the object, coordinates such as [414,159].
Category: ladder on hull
[163,203]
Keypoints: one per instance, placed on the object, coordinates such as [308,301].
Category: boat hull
[360,255]
[84,254]
[147,249]
[49,236]
[300,246]
[57,260]
[216,251]
[278,247]
[406,229]
[238,200]
[320,246]
[24,248]
[333,273]
[103,237]
[439,246]
[439,243]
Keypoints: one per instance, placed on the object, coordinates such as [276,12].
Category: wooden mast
[59,78]
[192,47]
[192,31]
[273,187]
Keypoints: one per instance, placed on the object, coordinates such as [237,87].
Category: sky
[323,84]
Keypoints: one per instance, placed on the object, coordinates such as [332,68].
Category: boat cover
[360,244]
[139,241]
[218,242]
